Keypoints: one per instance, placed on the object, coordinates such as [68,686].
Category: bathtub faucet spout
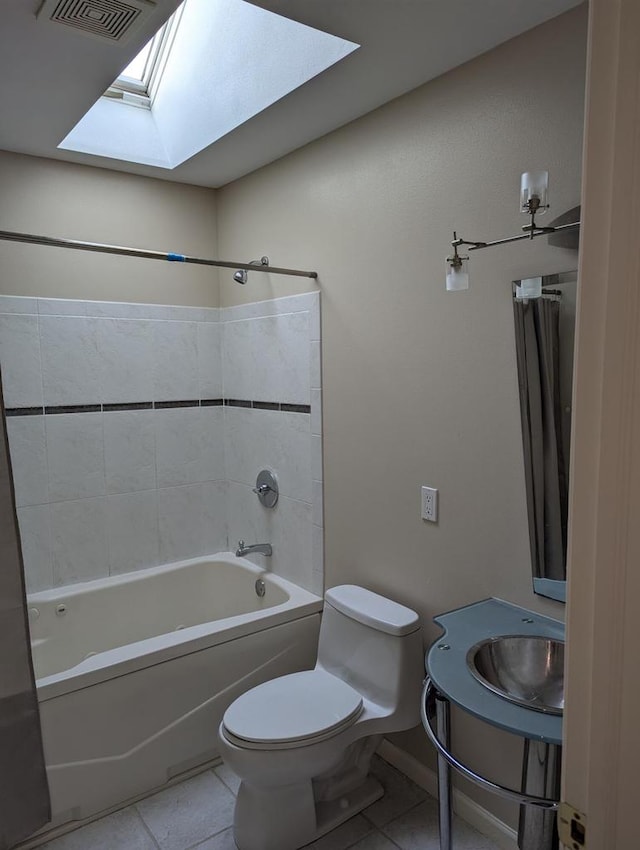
[260,548]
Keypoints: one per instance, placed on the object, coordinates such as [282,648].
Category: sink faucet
[260,548]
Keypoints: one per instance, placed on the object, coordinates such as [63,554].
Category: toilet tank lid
[373,610]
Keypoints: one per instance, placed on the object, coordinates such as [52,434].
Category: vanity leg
[540,776]
[443,728]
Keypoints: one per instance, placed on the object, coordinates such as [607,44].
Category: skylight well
[197,86]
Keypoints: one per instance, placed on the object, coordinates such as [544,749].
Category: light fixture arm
[533,201]
[532,232]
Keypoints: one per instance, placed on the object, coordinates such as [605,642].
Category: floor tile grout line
[146,827]
[208,838]
[404,814]
[226,785]
[396,817]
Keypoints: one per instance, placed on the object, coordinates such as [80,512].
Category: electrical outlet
[430,504]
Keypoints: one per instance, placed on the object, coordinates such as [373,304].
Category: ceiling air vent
[110,20]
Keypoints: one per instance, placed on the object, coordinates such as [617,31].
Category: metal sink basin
[524,669]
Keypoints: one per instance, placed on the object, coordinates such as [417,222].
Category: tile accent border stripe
[165,405]
[73,408]
[134,405]
[24,411]
[53,410]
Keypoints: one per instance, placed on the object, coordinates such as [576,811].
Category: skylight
[219,63]
[135,68]
[141,77]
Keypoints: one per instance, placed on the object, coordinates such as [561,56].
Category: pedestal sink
[525,669]
[504,665]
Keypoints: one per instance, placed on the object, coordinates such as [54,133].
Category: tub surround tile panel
[209,336]
[28,447]
[62,307]
[267,358]
[260,439]
[175,360]
[317,559]
[129,451]
[70,360]
[306,302]
[281,346]
[238,362]
[126,353]
[18,304]
[79,541]
[316,412]
[21,363]
[189,445]
[315,365]
[75,451]
[124,448]
[191,521]
[211,421]
[287,527]
[132,531]
[316,457]
[35,532]
[213,501]
[317,503]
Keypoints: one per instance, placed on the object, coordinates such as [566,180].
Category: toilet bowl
[302,744]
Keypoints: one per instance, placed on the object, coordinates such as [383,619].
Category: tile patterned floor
[197,815]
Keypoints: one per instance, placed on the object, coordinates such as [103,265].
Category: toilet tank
[375,645]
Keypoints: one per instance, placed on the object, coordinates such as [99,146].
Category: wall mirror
[544,313]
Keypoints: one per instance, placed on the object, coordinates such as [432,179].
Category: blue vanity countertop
[448,670]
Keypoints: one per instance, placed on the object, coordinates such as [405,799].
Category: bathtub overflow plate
[261,587]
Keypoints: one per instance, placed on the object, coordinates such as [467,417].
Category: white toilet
[302,743]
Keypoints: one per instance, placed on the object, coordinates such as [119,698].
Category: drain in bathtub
[261,587]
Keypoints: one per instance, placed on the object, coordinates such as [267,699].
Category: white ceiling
[50,75]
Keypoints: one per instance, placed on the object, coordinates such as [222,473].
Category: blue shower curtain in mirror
[24,793]
[537,349]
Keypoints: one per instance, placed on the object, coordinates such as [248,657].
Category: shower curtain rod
[12,236]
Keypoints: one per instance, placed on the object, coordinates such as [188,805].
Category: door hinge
[572,827]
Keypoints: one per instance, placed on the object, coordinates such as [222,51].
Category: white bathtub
[134,672]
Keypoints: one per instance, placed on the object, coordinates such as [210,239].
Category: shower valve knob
[266,488]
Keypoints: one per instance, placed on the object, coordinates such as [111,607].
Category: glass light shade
[457,278]
[534,184]
[530,287]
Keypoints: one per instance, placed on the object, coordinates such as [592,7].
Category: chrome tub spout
[260,548]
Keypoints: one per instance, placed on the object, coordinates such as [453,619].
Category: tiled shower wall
[137,431]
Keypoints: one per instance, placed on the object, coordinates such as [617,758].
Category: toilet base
[331,814]
[288,818]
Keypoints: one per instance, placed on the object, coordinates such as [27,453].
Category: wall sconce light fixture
[534,187]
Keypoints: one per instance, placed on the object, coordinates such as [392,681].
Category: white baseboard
[477,817]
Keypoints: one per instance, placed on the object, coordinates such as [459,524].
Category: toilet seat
[295,710]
